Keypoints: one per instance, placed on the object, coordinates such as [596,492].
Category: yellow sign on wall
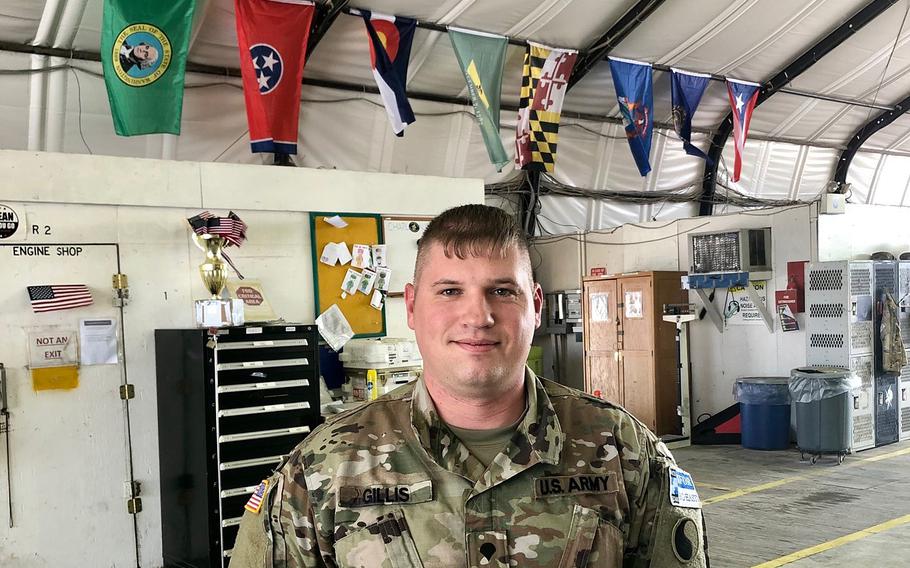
[55,378]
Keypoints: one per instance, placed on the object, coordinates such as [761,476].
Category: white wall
[862,230]
[717,359]
[142,205]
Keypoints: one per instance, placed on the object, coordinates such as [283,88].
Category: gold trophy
[212,270]
[215,312]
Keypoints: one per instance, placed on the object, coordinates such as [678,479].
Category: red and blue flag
[634,93]
[272,36]
[390,50]
[743,96]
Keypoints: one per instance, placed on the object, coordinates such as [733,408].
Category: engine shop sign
[9,221]
[52,348]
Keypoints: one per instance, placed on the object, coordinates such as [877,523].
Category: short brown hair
[472,230]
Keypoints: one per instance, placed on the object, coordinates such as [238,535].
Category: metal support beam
[864,133]
[617,32]
[326,14]
[801,64]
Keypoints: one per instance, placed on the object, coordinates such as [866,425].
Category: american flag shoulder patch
[255,502]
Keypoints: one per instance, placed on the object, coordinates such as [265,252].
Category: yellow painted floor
[770,509]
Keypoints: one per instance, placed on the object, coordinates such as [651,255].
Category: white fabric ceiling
[67,110]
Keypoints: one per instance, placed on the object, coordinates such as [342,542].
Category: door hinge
[134,505]
[131,490]
[121,285]
[127,392]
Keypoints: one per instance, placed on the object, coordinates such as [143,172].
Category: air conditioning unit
[741,250]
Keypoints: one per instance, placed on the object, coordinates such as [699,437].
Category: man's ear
[538,303]
[410,292]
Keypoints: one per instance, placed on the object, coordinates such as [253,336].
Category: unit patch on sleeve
[556,485]
[255,502]
[682,489]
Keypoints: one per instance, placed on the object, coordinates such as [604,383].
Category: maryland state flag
[272,36]
[481,57]
[543,88]
[390,50]
[143,56]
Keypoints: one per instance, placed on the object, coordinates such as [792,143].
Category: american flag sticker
[255,502]
[59,297]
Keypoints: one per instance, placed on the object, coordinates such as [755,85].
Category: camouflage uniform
[582,483]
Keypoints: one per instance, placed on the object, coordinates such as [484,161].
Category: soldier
[479,463]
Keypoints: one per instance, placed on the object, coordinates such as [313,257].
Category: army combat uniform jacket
[387,484]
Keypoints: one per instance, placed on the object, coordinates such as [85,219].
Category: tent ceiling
[746,39]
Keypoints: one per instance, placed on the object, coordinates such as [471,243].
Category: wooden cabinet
[630,352]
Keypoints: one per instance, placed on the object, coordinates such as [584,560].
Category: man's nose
[478,311]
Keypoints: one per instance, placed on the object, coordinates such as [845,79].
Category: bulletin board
[362,229]
[401,234]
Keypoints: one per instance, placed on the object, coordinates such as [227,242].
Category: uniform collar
[538,438]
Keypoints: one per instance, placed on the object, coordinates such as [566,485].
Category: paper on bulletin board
[52,347]
[401,235]
[738,306]
[334,283]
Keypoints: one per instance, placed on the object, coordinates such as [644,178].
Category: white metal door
[70,455]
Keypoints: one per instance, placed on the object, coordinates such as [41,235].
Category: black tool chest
[231,405]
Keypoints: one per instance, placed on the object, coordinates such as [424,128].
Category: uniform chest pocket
[592,542]
[385,543]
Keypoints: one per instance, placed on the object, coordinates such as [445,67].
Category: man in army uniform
[479,463]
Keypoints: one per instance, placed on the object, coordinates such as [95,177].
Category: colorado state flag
[390,50]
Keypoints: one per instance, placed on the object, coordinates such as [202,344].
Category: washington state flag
[143,55]
[481,57]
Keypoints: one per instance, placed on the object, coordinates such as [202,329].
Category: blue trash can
[764,406]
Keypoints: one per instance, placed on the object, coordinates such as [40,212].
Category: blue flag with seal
[390,49]
[686,90]
[632,80]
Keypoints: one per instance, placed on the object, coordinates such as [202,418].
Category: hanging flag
[686,90]
[743,96]
[56,297]
[543,88]
[632,80]
[390,50]
[272,37]
[481,57]
[143,56]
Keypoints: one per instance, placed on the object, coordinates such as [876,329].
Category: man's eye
[449,292]
[503,292]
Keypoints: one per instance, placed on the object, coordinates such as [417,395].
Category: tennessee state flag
[272,36]
[390,50]
[743,96]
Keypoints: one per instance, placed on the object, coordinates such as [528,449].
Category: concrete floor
[770,509]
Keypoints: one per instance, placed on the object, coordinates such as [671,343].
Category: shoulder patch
[682,489]
[254,505]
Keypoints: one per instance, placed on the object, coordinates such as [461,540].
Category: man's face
[145,53]
[474,320]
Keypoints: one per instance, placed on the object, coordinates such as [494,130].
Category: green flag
[143,55]
[481,56]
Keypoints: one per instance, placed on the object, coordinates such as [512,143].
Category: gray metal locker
[839,332]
